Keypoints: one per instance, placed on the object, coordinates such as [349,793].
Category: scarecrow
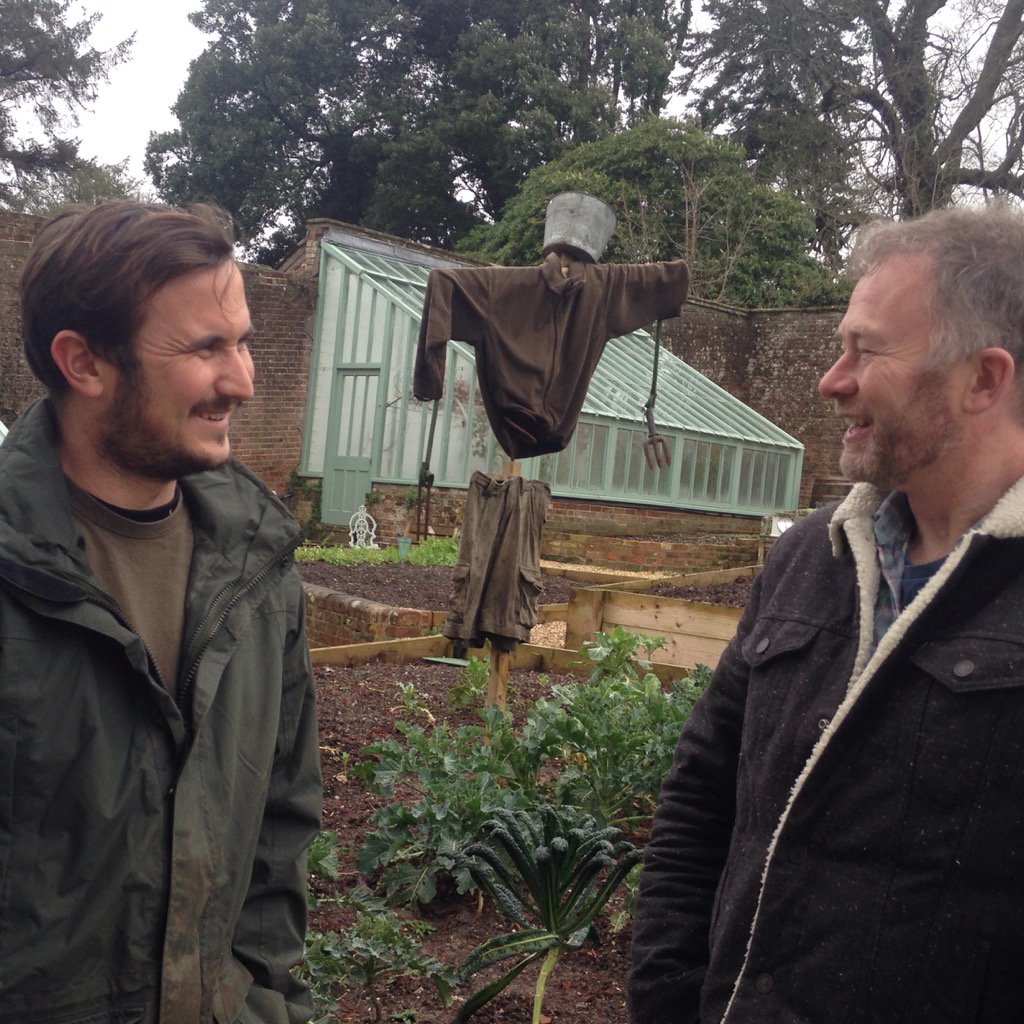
[538,334]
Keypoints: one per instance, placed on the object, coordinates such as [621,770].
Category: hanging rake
[656,449]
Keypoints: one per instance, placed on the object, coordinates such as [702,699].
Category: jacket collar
[235,511]
[855,512]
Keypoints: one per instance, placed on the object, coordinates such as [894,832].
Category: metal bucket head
[578,224]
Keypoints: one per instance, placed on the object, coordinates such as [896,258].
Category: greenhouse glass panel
[417,419]
[384,320]
[347,338]
[457,436]
[600,446]
[480,433]
[358,400]
[623,441]
[726,459]
[781,483]
[635,477]
[700,469]
[757,473]
[655,481]
[583,450]
[746,466]
[545,465]
[397,402]
[686,461]
[563,466]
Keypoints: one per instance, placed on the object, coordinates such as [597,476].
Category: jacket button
[764,984]
[762,645]
[962,669]
[822,724]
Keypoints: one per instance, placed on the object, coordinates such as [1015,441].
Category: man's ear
[992,380]
[85,372]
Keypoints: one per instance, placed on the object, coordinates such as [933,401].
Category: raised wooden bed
[538,659]
[695,632]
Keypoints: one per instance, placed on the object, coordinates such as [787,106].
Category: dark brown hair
[93,270]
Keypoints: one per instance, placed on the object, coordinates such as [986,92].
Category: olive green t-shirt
[144,567]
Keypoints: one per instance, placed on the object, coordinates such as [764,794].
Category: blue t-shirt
[915,577]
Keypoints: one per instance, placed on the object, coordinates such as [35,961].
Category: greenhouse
[364,427]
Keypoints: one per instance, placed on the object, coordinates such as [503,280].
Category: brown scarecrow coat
[538,337]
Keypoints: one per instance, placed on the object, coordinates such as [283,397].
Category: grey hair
[977,275]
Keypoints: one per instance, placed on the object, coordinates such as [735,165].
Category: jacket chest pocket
[973,713]
[797,677]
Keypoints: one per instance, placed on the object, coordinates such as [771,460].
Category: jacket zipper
[254,580]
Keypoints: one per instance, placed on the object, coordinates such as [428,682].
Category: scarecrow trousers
[497,579]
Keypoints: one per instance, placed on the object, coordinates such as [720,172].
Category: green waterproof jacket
[152,851]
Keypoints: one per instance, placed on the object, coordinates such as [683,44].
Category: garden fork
[656,449]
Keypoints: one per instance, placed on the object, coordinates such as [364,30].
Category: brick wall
[771,360]
[267,435]
[333,618]
[18,388]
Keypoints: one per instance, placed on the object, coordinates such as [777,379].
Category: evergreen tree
[48,71]
[418,117]
[676,192]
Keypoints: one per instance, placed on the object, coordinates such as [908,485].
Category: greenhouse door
[349,456]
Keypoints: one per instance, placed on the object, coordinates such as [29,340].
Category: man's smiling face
[899,411]
[170,415]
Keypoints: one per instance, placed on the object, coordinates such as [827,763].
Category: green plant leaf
[486,994]
[532,941]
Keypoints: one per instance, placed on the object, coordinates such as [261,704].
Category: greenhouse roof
[686,399]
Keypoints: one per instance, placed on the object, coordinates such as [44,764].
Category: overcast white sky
[138,97]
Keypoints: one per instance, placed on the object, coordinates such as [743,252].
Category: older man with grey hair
[841,835]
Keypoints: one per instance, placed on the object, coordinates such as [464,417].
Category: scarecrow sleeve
[637,294]
[455,308]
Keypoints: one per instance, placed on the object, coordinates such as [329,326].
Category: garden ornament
[362,529]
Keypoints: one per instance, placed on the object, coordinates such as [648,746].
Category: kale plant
[550,872]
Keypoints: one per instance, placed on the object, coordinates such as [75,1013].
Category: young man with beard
[159,774]
[841,835]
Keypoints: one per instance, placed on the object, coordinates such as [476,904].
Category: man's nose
[838,380]
[237,375]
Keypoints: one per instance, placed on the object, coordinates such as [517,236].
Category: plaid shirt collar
[894,526]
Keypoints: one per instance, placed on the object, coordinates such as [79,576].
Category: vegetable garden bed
[435,766]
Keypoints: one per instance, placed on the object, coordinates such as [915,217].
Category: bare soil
[735,593]
[360,705]
[409,586]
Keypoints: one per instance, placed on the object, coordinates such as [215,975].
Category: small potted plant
[411,503]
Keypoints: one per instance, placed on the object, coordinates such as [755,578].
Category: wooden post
[497,678]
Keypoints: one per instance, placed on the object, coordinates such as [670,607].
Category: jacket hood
[235,510]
